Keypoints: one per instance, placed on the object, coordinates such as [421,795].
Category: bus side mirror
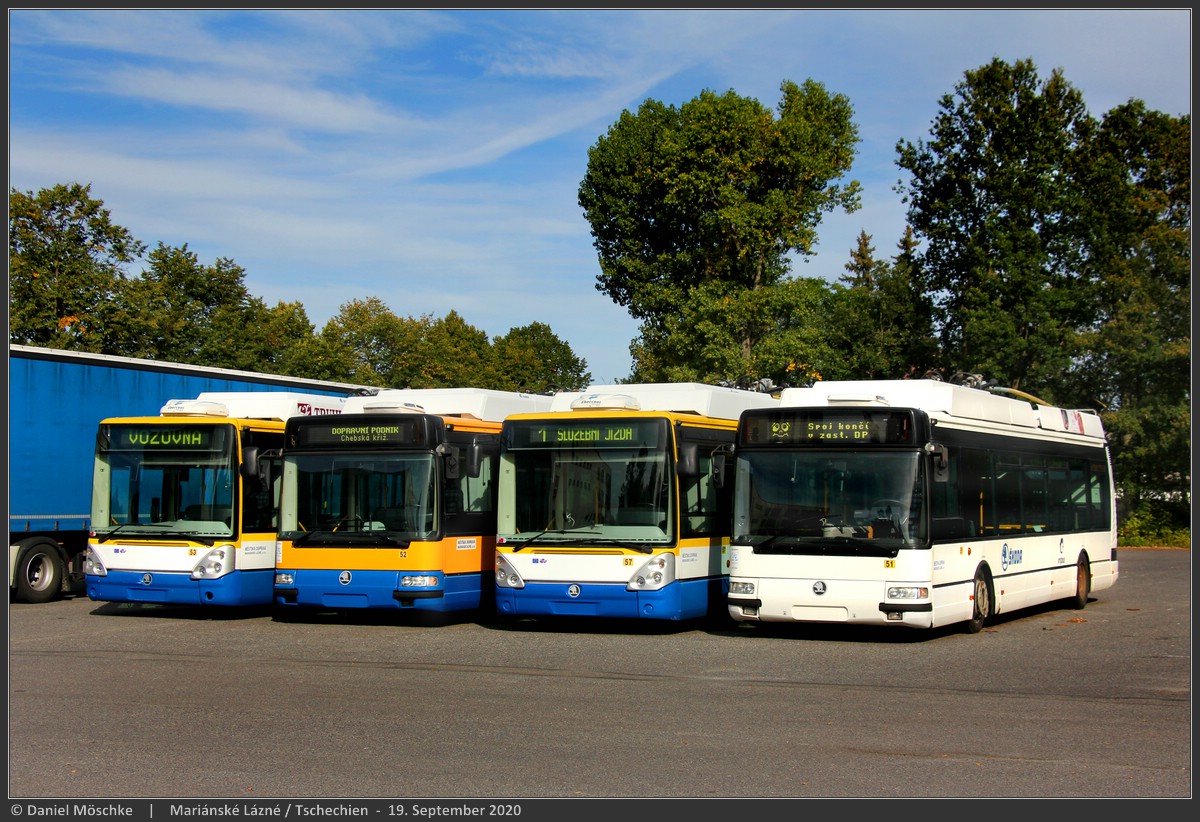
[261,465]
[250,461]
[474,459]
[718,470]
[450,455]
[941,461]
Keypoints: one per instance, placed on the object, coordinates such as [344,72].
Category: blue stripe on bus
[236,588]
[682,599]
[381,589]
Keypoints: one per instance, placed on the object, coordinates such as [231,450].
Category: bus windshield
[587,480]
[153,479]
[342,493]
[788,498]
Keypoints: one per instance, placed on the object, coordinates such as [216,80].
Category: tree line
[1045,249]
[68,289]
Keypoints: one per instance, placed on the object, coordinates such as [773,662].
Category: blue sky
[432,159]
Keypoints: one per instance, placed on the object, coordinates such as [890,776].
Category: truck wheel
[39,573]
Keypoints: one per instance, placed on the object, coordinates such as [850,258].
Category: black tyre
[1083,583]
[39,573]
[283,613]
[981,599]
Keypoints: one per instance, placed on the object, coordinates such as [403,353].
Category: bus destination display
[346,431]
[829,427]
[587,433]
[161,437]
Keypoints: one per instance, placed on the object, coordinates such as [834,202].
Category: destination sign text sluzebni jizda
[597,434]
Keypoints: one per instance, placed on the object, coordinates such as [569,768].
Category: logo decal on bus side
[1009,556]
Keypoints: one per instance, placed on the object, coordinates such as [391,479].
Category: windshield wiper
[107,535]
[560,531]
[308,535]
[624,543]
[352,537]
[375,537]
[865,542]
[171,535]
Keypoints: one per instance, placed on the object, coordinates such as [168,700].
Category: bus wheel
[981,607]
[1083,583]
[39,573]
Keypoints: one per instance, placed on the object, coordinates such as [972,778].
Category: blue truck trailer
[56,400]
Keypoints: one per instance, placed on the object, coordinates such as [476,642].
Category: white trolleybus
[608,505]
[917,503]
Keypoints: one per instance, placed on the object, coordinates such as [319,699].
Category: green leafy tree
[880,319]
[388,351]
[327,355]
[238,337]
[993,197]
[707,339]
[706,200]
[384,349]
[184,311]
[65,260]
[283,330]
[454,354]
[1135,359]
[1058,250]
[531,358]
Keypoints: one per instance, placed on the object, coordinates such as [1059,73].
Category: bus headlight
[743,588]
[92,564]
[655,573]
[506,575]
[216,563]
[908,592]
[285,578]
[419,581]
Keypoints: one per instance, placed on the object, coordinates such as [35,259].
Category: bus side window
[260,493]
[971,478]
[256,510]
[476,493]
[701,498]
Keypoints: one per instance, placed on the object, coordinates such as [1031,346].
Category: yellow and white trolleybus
[609,507]
[185,505]
[917,503]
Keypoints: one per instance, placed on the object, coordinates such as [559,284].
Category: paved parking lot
[156,701]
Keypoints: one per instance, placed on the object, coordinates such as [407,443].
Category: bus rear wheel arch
[981,600]
[40,570]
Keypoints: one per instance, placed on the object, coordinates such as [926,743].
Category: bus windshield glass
[154,479]
[589,479]
[337,494]
[789,498]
